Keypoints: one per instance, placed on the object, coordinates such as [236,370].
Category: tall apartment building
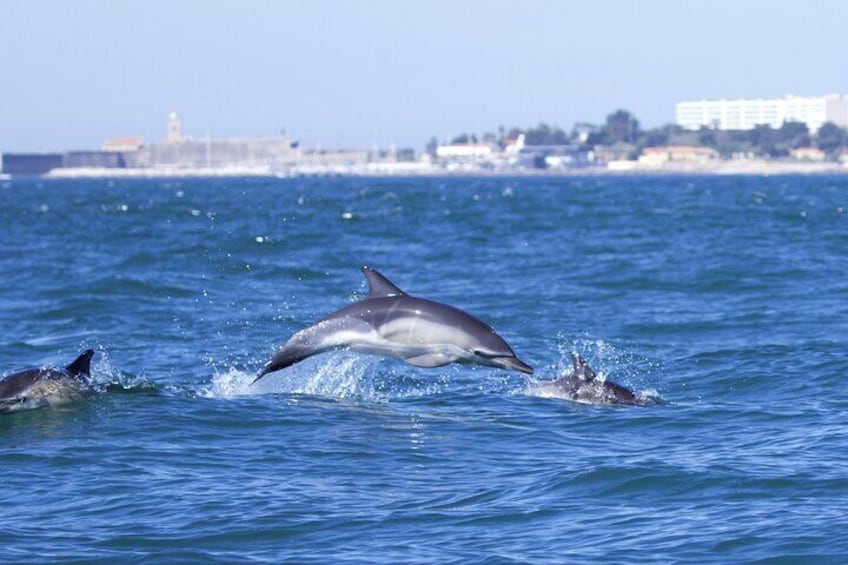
[743,114]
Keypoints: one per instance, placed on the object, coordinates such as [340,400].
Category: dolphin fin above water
[391,323]
[81,365]
[583,386]
[582,369]
[379,286]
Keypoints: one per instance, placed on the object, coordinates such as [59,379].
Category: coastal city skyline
[788,134]
[338,75]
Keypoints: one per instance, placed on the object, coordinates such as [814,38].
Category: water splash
[609,361]
[106,376]
[338,375]
[348,376]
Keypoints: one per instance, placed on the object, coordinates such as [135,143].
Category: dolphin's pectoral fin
[430,360]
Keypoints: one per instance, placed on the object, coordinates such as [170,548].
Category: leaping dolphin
[45,386]
[583,386]
[391,323]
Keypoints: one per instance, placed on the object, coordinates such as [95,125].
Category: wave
[344,375]
[338,375]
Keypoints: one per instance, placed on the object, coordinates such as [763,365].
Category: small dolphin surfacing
[46,386]
[390,323]
[583,386]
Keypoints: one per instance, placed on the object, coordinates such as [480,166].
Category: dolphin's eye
[480,353]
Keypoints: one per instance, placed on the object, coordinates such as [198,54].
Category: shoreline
[616,168]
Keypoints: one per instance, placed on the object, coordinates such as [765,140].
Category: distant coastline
[754,168]
[619,146]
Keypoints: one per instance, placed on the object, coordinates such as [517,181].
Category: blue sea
[725,297]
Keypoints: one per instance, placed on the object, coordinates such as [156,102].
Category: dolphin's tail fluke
[265,370]
[81,365]
[287,356]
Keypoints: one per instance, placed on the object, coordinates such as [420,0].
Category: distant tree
[581,131]
[622,126]
[543,134]
[559,137]
[830,137]
[514,133]
[665,135]
[730,142]
[708,137]
[431,146]
[764,140]
[598,137]
[538,135]
[460,139]
[490,138]
[653,138]
[793,135]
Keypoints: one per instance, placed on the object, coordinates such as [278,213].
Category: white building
[745,114]
[515,145]
[658,156]
[465,151]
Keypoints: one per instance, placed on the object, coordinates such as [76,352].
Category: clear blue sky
[359,73]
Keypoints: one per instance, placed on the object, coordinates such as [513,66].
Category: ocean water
[726,297]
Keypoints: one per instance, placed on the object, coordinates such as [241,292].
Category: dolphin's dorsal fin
[582,368]
[81,365]
[379,286]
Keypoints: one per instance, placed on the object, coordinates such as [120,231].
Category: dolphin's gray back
[18,384]
[34,388]
[571,387]
[401,319]
[582,385]
[391,323]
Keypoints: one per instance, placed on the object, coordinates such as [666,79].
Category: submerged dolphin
[391,323]
[45,386]
[583,386]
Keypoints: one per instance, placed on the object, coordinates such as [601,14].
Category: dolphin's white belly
[420,342]
[44,393]
[419,333]
[552,390]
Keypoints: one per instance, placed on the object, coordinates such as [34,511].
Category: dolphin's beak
[515,363]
